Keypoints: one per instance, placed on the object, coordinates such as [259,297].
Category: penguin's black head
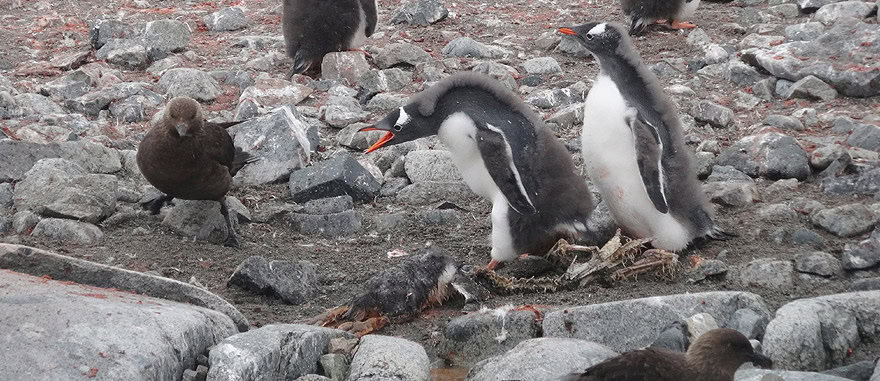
[600,38]
[403,125]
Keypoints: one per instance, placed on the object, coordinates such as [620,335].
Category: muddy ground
[36,30]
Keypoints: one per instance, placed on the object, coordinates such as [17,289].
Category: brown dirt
[34,33]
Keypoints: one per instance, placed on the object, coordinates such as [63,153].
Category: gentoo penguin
[642,13]
[186,157]
[313,28]
[714,356]
[633,147]
[505,154]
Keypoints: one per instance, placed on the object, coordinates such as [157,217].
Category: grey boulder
[419,12]
[818,333]
[71,331]
[226,19]
[845,220]
[478,335]
[431,165]
[62,188]
[68,231]
[188,82]
[340,175]
[272,352]
[296,282]
[545,358]
[388,358]
[642,320]
[282,140]
[59,267]
[771,155]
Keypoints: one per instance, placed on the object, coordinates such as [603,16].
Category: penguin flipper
[649,153]
[302,61]
[498,158]
[370,14]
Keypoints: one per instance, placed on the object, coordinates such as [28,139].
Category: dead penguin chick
[714,356]
[188,158]
[399,293]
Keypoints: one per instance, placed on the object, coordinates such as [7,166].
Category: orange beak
[385,139]
[567,31]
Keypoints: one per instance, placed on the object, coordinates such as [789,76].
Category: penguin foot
[362,51]
[361,328]
[360,323]
[681,25]
[493,264]
[664,21]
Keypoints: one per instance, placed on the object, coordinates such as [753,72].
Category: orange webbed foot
[682,25]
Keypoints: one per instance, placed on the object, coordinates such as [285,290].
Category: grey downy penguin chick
[188,158]
[634,149]
[505,154]
[642,13]
[397,294]
[313,28]
[714,356]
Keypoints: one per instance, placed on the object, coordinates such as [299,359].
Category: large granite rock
[61,188]
[68,331]
[59,267]
[631,324]
[273,352]
[282,140]
[18,157]
[389,358]
[818,333]
[545,358]
[479,335]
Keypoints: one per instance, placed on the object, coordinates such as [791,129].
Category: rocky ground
[779,99]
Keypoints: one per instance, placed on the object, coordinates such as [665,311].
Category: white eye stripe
[598,29]
[403,118]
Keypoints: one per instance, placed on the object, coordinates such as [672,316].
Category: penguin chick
[313,28]
[399,293]
[505,154]
[714,356]
[188,158]
[642,13]
[634,150]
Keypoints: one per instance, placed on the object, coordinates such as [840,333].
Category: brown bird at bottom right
[714,356]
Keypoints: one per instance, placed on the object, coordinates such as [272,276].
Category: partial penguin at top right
[634,150]
[641,13]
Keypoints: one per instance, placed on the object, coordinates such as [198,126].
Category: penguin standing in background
[634,150]
[714,356]
[505,154]
[642,13]
[313,28]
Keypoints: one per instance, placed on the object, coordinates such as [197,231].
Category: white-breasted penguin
[313,28]
[633,147]
[641,13]
[505,154]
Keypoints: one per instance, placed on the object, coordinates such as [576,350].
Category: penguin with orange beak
[505,154]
